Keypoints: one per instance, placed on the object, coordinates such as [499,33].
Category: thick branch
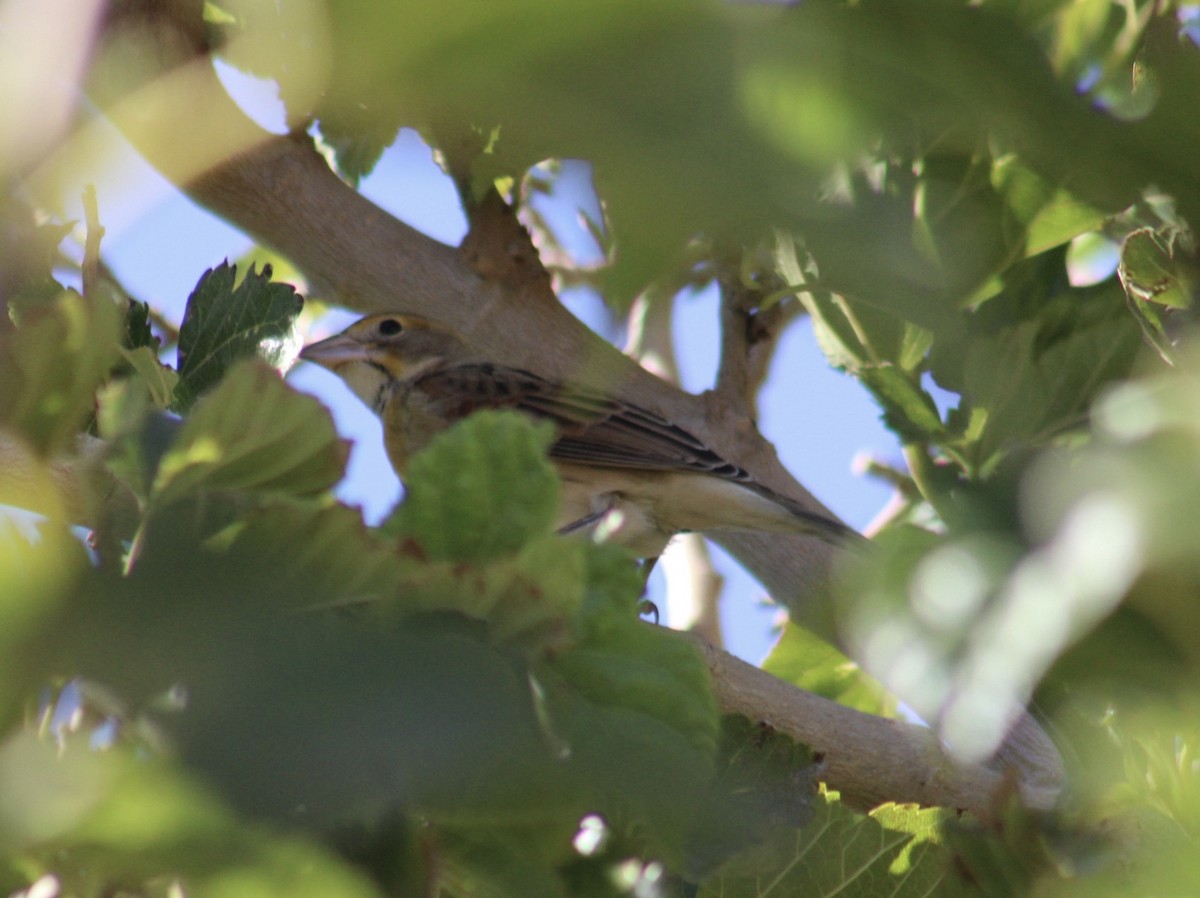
[871,759]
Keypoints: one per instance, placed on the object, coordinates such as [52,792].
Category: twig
[734,380]
[749,336]
[693,588]
[693,584]
[91,248]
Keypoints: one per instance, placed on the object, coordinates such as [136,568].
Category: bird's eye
[389,327]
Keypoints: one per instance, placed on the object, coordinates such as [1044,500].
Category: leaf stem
[135,547]
[921,467]
[90,269]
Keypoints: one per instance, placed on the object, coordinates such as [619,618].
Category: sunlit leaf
[1150,273]
[893,851]
[815,666]
[1050,215]
[160,379]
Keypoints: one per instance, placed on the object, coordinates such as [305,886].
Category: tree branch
[872,759]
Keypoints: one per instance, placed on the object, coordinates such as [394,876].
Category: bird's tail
[799,519]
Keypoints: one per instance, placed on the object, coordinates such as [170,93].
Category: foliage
[550,692]
[224,322]
[237,686]
[892,851]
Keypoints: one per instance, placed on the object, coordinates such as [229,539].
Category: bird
[627,472]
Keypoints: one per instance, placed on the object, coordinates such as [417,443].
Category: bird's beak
[334,352]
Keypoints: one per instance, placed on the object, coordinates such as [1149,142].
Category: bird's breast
[409,424]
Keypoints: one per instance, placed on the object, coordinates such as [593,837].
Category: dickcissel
[644,477]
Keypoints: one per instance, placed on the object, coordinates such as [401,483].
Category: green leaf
[614,585]
[115,816]
[1030,362]
[252,433]
[215,15]
[914,347]
[957,225]
[528,602]
[38,563]
[1050,215]
[324,552]
[842,346]
[764,781]
[509,861]
[30,254]
[134,448]
[853,335]
[1018,849]
[751,107]
[288,709]
[357,146]
[51,366]
[644,775]
[555,568]
[1041,376]
[1150,272]
[137,327]
[1153,321]
[907,408]
[814,665]
[892,851]
[481,489]
[223,324]
[647,670]
[161,380]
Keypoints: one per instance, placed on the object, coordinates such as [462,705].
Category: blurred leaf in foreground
[51,365]
[253,433]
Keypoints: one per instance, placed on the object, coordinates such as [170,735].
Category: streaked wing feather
[593,428]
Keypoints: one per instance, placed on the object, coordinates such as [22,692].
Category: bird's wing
[596,429]
[593,428]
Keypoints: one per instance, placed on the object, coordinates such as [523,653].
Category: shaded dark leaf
[223,324]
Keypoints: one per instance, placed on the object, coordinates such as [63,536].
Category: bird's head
[378,351]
